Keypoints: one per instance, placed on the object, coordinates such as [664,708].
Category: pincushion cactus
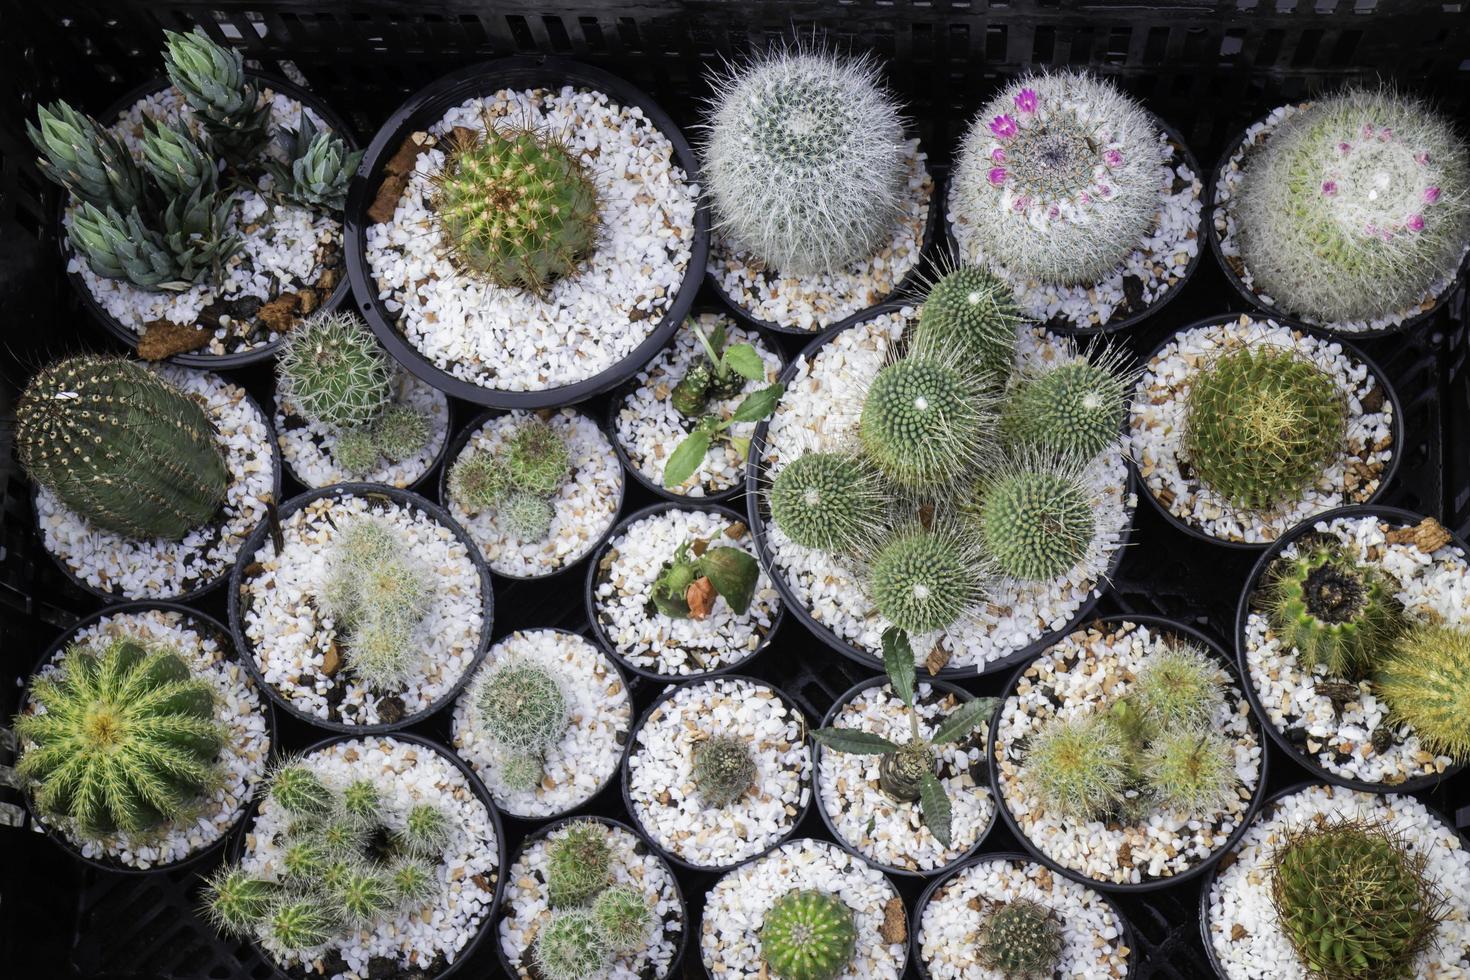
[518,481]
[334,371]
[378,594]
[808,934]
[1191,771]
[579,864]
[723,770]
[1425,680]
[828,501]
[805,159]
[1339,614]
[1073,408]
[1034,518]
[526,517]
[1057,179]
[1355,207]
[1080,767]
[522,709]
[538,458]
[1178,688]
[569,947]
[400,431]
[479,481]
[923,580]
[623,919]
[969,309]
[1021,940]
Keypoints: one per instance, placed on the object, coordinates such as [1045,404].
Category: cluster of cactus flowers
[593,920]
[342,869]
[518,482]
[523,710]
[699,572]
[165,222]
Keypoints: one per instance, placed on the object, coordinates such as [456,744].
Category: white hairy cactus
[804,154]
[1058,179]
[1355,207]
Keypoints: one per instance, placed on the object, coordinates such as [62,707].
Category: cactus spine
[1073,409]
[808,935]
[334,371]
[1425,679]
[522,708]
[1080,767]
[569,947]
[827,501]
[1021,940]
[1337,613]
[378,594]
[623,919]
[723,770]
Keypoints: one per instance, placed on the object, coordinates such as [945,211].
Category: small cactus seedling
[721,373]
[1080,767]
[317,169]
[355,450]
[569,947]
[808,934]
[829,501]
[300,792]
[623,919]
[479,481]
[1035,519]
[688,583]
[400,432]
[1021,940]
[1178,688]
[1425,680]
[970,310]
[525,516]
[414,882]
[425,832]
[379,593]
[361,803]
[128,740]
[923,580]
[364,895]
[1073,409]
[579,864]
[537,458]
[334,371]
[212,80]
[723,770]
[300,923]
[522,709]
[1339,614]
[1192,772]
[518,482]
[234,902]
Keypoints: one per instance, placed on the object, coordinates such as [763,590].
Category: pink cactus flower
[998,155]
[1371,230]
[1113,158]
[1021,203]
[1367,131]
[1416,222]
[1431,194]
[1422,158]
[1344,148]
[1086,198]
[1385,134]
[1329,188]
[997,175]
[1003,126]
[1026,100]
[1105,190]
[1054,212]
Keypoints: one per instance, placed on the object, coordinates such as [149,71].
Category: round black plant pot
[425,108]
[626,777]
[1390,395]
[1154,884]
[393,495]
[126,334]
[1296,751]
[595,573]
[198,621]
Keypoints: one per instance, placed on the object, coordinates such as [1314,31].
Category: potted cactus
[204,213]
[1242,427]
[1087,204]
[821,203]
[543,722]
[185,471]
[1348,212]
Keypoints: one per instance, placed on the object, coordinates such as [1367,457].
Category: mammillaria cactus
[828,501]
[335,371]
[569,947]
[928,419]
[1080,767]
[355,451]
[526,517]
[1425,680]
[518,481]
[377,594]
[1339,614]
[1058,179]
[212,80]
[122,447]
[128,739]
[1178,688]
[924,579]
[1034,518]
[808,934]
[623,919]
[515,206]
[969,309]
[479,481]
[1355,207]
[522,709]
[1021,940]
[805,159]
[1073,409]
[400,431]
[1191,771]
[317,169]
[86,159]
[538,458]
[579,864]
[723,770]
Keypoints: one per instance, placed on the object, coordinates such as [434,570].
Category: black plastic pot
[1063,326]
[606,642]
[456,446]
[201,623]
[1233,146]
[818,749]
[425,108]
[626,777]
[403,498]
[465,955]
[1154,884]
[1242,616]
[1390,393]
[126,334]
[916,952]
[199,591]
[757,515]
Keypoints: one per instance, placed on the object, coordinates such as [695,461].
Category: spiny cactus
[522,708]
[1192,772]
[569,947]
[300,924]
[516,206]
[234,902]
[123,448]
[1021,940]
[805,159]
[414,882]
[355,451]
[1338,613]
[212,80]
[425,831]
[1355,207]
[345,835]
[400,432]
[1058,178]
[522,772]
[361,803]
[300,792]
[1425,680]
[1261,424]
[828,501]
[334,370]
[176,161]
[1353,900]
[808,934]
[969,309]
[378,594]
[304,860]
[317,169]
[479,481]
[526,517]
[723,770]
[364,896]
[1034,518]
[128,739]
[538,458]
[86,159]
[924,579]
[1178,687]
[1080,767]
[1073,409]
[578,863]
[623,919]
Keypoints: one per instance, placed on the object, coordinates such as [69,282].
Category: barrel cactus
[1424,682]
[928,419]
[808,934]
[1034,518]
[723,770]
[1021,940]
[1338,613]
[1073,408]
[827,501]
[924,579]
[968,309]
[122,447]
[334,371]
[211,78]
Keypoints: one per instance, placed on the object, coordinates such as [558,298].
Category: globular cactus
[968,309]
[361,803]
[808,934]
[515,206]
[377,594]
[526,517]
[425,832]
[623,919]
[335,372]
[304,860]
[1021,940]
[177,162]
[1034,518]
[234,902]
[212,80]
[569,947]
[400,432]
[317,169]
[364,896]
[723,770]
[344,835]
[1178,687]
[414,882]
[128,740]
[1354,900]
[86,159]
[300,792]
[1073,409]
[1355,207]
[1192,772]
[922,580]
[123,448]
[355,451]
[578,864]
[805,159]
[828,501]
[1425,680]
[1338,613]
[479,481]
[1058,179]
[1079,767]
[537,458]
[522,772]
[300,923]
[522,708]
[1261,424]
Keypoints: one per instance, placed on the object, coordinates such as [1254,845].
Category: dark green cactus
[1338,613]
[1022,940]
[808,935]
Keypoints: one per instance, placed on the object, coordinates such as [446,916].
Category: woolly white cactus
[1058,179]
[804,154]
[1355,207]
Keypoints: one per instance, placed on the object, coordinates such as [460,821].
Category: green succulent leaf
[898,661]
[686,457]
[758,404]
[963,720]
[744,361]
[853,741]
[733,573]
[741,445]
[934,803]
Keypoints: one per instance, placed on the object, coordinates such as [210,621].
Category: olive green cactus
[521,707]
[1192,772]
[829,501]
[479,481]
[1021,940]
[425,832]
[808,934]
[1425,681]
[538,458]
[973,311]
[1178,687]
[578,863]
[623,918]
[569,947]
[928,419]
[1339,614]
[723,770]
[300,792]
[400,432]
[1080,767]
[1073,409]
[234,901]
[299,923]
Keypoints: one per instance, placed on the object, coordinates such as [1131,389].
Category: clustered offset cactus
[1058,179]
[1425,680]
[518,482]
[723,770]
[923,579]
[699,572]
[123,448]
[593,920]
[124,738]
[805,159]
[522,708]
[378,594]
[828,501]
[317,169]
[1339,614]
[212,80]
[1035,519]
[1355,207]
[1021,940]
[1072,408]
[808,934]
[969,310]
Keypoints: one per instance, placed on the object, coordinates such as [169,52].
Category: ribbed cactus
[1079,767]
[1020,940]
[569,947]
[922,580]
[425,832]
[1034,518]
[1355,207]
[1425,681]
[86,159]
[1073,409]
[1192,772]
[578,863]
[723,770]
[335,371]
[176,161]
[1178,687]
[623,919]
[317,169]
[234,902]
[212,80]
[123,448]
[414,882]
[808,934]
[364,895]
[970,310]
[300,792]
[516,206]
[522,708]
[1338,613]
[928,419]
[828,501]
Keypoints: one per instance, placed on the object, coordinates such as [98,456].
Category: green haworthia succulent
[317,169]
[335,371]
[1425,680]
[1021,940]
[808,934]
[212,80]
[1035,519]
[86,159]
[829,501]
[970,310]
[928,420]
[178,163]
[1338,613]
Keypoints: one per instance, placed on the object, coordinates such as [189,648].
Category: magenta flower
[1021,203]
[1416,222]
[1344,148]
[1054,212]
[1003,126]
[1329,188]
[1026,100]
[998,155]
[1367,131]
[1113,158]
[1422,158]
[997,175]
[1105,190]
[1086,198]
[1431,194]
[1385,134]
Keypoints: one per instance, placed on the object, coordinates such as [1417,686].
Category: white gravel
[1160,410]
[1244,929]
[158,569]
[665,800]
[587,755]
[814,302]
[649,429]
[510,340]
[290,637]
[585,506]
[406,774]
[736,906]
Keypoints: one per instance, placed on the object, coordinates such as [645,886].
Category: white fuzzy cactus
[1355,207]
[1058,179]
[805,158]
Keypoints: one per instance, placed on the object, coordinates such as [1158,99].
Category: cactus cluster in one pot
[518,483]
